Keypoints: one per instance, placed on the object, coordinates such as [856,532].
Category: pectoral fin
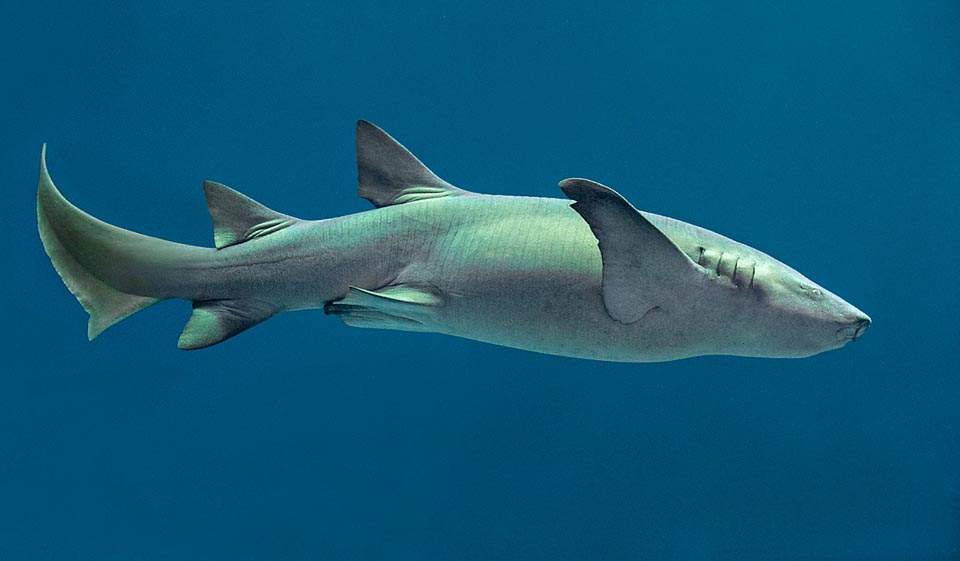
[639,262]
[401,307]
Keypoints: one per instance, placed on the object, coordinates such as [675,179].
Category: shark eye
[812,291]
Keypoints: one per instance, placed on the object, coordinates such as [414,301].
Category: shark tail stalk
[115,273]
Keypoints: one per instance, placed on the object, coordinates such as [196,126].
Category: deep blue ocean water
[825,133]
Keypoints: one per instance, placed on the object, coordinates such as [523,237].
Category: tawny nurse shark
[595,279]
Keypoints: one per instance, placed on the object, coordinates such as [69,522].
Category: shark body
[596,279]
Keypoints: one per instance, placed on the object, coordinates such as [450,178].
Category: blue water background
[825,133]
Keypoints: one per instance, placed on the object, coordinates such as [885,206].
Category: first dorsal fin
[238,218]
[389,174]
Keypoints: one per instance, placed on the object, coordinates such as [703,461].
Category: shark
[588,276]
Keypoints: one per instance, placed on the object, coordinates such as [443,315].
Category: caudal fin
[77,243]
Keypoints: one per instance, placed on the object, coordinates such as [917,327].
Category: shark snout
[855,327]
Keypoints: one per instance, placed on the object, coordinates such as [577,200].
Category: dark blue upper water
[825,133]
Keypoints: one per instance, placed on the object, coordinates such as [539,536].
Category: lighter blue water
[824,133]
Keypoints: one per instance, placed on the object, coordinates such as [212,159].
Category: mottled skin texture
[522,272]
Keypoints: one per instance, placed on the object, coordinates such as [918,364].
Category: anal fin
[213,321]
[400,307]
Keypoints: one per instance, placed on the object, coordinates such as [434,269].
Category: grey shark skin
[596,279]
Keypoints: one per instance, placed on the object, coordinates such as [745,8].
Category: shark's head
[799,318]
[704,293]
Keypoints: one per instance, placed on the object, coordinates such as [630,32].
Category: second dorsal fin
[389,174]
[238,218]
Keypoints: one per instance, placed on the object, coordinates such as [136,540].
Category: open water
[824,133]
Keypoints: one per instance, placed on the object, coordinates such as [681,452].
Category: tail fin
[81,249]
